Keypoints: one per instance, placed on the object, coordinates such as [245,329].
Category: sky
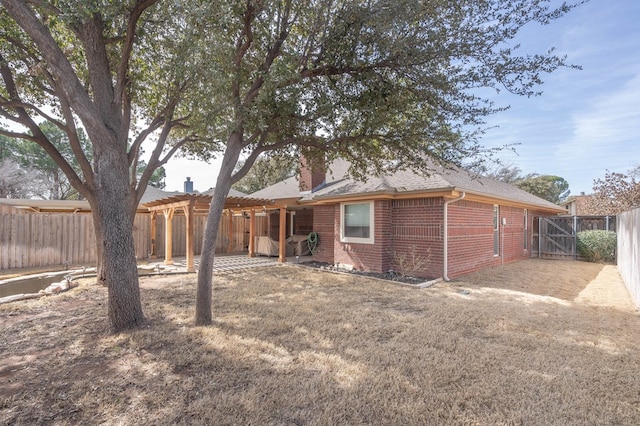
[586,121]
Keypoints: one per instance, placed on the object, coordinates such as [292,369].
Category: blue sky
[586,122]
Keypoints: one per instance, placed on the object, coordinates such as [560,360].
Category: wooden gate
[555,236]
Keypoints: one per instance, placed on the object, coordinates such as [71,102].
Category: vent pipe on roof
[445,249]
[188,186]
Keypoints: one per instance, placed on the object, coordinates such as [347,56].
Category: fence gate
[555,236]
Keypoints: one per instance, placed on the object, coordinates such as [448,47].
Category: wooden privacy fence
[235,240]
[629,252]
[556,236]
[29,240]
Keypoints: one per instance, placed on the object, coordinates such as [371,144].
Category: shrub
[410,263]
[597,246]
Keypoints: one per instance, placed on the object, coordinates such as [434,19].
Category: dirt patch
[562,279]
[293,347]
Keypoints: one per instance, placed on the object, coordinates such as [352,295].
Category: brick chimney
[310,178]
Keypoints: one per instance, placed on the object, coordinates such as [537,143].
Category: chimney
[188,186]
[310,179]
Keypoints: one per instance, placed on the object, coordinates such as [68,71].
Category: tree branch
[122,79]
[272,54]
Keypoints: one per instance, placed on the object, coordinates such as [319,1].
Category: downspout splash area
[445,260]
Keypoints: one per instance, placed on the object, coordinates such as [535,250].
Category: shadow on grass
[289,347]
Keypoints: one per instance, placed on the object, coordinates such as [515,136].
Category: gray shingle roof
[288,188]
[406,181]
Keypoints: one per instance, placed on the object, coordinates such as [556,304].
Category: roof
[288,188]
[202,202]
[151,196]
[404,183]
[232,193]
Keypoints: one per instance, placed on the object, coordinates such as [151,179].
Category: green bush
[597,246]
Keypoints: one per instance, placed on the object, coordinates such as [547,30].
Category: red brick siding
[309,179]
[402,225]
[324,224]
[368,257]
[417,229]
[471,237]
[304,221]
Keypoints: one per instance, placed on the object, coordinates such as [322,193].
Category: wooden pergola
[190,203]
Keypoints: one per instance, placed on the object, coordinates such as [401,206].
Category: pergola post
[252,232]
[188,212]
[189,204]
[282,257]
[168,235]
[154,230]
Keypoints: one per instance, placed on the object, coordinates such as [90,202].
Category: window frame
[526,230]
[358,240]
[496,230]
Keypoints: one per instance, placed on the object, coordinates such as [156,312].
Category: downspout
[445,262]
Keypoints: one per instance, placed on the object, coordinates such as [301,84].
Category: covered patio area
[190,205]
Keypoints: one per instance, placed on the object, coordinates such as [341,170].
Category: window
[526,229]
[356,222]
[496,230]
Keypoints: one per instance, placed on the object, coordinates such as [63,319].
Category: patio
[221,263]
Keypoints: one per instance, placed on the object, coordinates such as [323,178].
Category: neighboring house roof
[578,205]
[47,206]
[406,183]
[150,195]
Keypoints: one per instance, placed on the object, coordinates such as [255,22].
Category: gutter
[445,262]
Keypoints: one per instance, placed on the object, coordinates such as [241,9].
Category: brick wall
[324,218]
[304,221]
[415,226]
[310,178]
[368,257]
[417,235]
[471,237]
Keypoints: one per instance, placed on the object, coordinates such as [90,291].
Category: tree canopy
[265,171]
[615,193]
[119,71]
[549,187]
[383,84]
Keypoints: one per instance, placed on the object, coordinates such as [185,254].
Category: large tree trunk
[117,260]
[205,272]
[97,226]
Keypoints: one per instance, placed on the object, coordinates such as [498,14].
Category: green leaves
[548,187]
[379,82]
[597,246]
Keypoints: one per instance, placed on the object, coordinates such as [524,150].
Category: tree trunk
[205,272]
[116,256]
[97,226]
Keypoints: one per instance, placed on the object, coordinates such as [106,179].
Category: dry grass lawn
[514,345]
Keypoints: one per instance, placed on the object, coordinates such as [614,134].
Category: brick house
[444,225]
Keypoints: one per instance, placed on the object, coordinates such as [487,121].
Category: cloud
[607,129]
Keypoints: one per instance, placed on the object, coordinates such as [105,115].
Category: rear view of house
[446,224]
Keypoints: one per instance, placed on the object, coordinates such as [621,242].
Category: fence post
[575,237]
[539,237]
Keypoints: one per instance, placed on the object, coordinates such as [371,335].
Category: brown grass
[297,346]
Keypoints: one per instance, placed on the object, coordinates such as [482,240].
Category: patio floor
[221,263]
